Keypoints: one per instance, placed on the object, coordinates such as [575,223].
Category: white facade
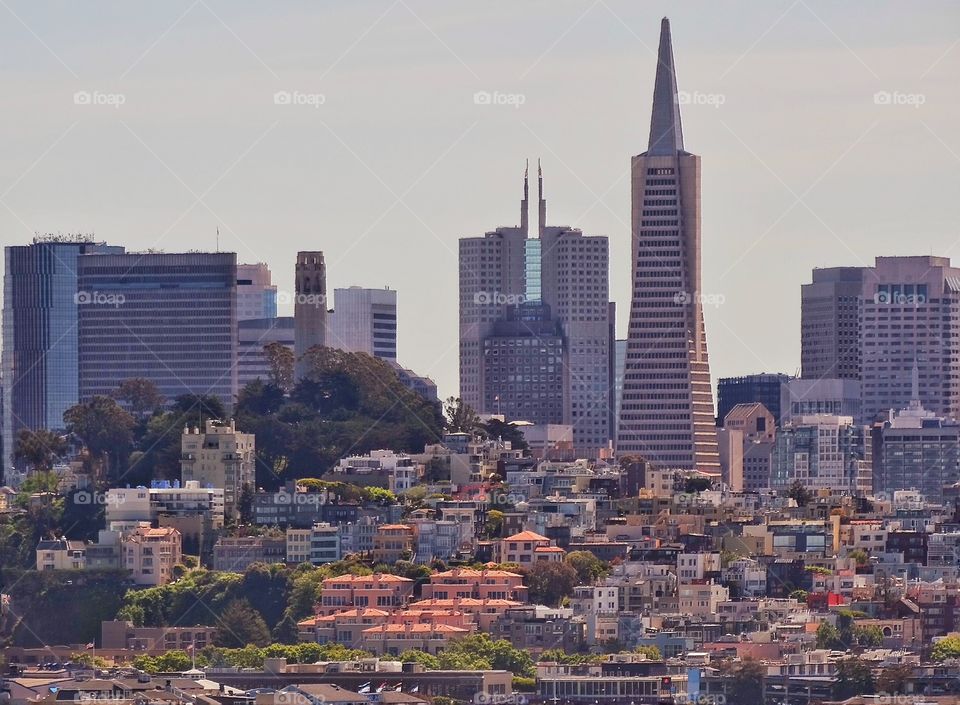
[256,292]
[364,320]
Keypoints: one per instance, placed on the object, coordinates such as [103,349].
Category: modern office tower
[309,306]
[252,337]
[829,329]
[666,413]
[914,449]
[168,318]
[620,358]
[528,339]
[807,397]
[910,314]
[761,388]
[256,292]
[219,456]
[39,361]
[518,295]
[364,320]
[823,452]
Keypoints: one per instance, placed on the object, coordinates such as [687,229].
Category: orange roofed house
[478,584]
[394,542]
[527,547]
[394,639]
[150,554]
[381,590]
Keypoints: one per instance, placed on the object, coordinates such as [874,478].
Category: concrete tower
[666,412]
[310,306]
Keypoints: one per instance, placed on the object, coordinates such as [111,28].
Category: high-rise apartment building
[666,411]
[168,318]
[535,330]
[39,361]
[829,327]
[256,292]
[364,320]
[219,456]
[309,306]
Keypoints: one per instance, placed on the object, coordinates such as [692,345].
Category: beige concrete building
[219,456]
[666,410]
[61,554]
[309,306]
[150,554]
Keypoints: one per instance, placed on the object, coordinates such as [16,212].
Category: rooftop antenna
[218,238]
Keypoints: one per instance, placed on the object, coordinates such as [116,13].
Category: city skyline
[854,210]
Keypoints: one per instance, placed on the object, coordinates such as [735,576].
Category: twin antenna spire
[524,205]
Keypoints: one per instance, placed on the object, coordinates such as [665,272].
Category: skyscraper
[666,412]
[829,331]
[309,306]
[40,333]
[169,318]
[765,388]
[535,333]
[256,292]
[364,320]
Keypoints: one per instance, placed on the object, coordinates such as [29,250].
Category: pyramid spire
[666,134]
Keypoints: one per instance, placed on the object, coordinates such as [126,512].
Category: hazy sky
[802,165]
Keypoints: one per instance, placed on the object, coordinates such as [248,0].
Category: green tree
[589,568]
[428,661]
[239,625]
[745,681]
[549,582]
[39,449]
[460,417]
[500,430]
[281,360]
[853,677]
[946,648]
[800,494]
[828,637]
[893,680]
[140,395]
[245,504]
[105,429]
[859,557]
[494,524]
[651,652]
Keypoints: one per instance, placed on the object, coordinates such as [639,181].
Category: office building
[364,320]
[168,318]
[535,329]
[831,396]
[760,388]
[256,292]
[823,452]
[829,328]
[309,307]
[253,335]
[40,347]
[666,413]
